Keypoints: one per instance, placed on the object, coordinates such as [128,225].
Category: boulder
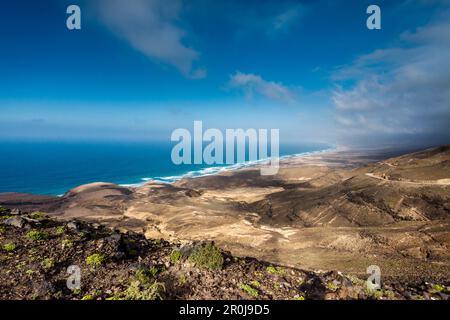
[15,212]
[17,222]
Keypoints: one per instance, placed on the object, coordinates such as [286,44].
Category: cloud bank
[151,27]
[401,92]
[254,85]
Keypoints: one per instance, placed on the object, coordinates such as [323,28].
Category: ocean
[52,168]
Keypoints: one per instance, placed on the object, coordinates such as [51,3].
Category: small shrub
[142,288]
[175,256]
[207,256]
[389,294]
[37,235]
[83,235]
[95,260]
[153,271]
[182,280]
[76,291]
[48,263]
[142,275]
[60,231]
[67,243]
[373,293]
[3,210]
[251,291]
[144,291]
[37,215]
[440,288]
[9,247]
[331,286]
[276,270]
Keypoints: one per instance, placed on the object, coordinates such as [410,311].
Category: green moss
[248,289]
[276,270]
[60,231]
[48,263]
[114,298]
[37,235]
[87,297]
[255,283]
[175,256]
[29,272]
[9,247]
[207,256]
[5,217]
[299,298]
[95,260]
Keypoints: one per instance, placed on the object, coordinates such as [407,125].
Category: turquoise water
[53,168]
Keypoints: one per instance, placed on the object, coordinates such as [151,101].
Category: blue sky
[139,69]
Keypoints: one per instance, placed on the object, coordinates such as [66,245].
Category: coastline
[211,171]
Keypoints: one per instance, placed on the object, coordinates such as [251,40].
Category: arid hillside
[342,210]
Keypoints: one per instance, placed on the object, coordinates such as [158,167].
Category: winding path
[440,182]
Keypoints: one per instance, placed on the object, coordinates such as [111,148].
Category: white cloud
[150,26]
[289,16]
[399,91]
[253,84]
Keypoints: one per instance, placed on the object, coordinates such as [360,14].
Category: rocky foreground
[36,252]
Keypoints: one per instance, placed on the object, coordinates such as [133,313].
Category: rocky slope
[36,252]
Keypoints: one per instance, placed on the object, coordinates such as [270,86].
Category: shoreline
[211,171]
